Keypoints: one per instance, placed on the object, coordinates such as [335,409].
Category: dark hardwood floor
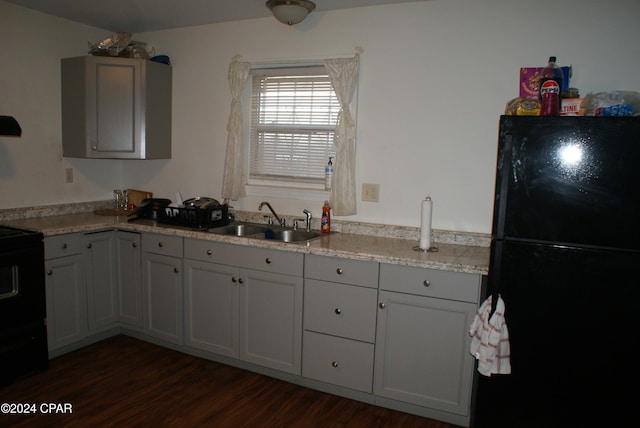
[126,382]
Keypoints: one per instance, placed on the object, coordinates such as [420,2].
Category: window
[294,112]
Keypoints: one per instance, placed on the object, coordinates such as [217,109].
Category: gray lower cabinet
[339,321]
[212,311]
[102,279]
[129,276]
[245,303]
[65,290]
[422,342]
[162,287]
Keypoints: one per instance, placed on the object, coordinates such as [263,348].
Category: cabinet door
[211,307]
[66,301]
[271,320]
[163,297]
[116,102]
[102,285]
[129,279]
[422,351]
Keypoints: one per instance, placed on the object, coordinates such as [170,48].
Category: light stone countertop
[384,249]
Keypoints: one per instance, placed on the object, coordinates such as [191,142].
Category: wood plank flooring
[124,382]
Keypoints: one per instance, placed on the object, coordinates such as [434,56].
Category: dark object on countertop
[200,212]
[150,208]
[10,126]
[269,234]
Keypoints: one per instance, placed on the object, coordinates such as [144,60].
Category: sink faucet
[281,221]
[308,213]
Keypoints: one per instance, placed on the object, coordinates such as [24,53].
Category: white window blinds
[293,121]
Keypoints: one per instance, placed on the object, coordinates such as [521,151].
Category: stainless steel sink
[269,232]
[240,229]
[291,235]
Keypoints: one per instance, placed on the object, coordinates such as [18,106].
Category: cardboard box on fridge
[572,107]
[530,80]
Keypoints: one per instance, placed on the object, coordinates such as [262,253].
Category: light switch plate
[370,192]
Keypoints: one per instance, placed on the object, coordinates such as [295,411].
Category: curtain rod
[297,60]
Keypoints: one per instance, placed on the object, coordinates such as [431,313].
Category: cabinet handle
[134,244]
[241,281]
[64,246]
[89,246]
[209,252]
[160,244]
[176,270]
[339,271]
[334,364]
[49,272]
[381,305]
[338,311]
[426,283]
[268,260]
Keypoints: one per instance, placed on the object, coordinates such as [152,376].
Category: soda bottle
[551,89]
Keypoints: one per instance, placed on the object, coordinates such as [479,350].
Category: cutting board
[136,196]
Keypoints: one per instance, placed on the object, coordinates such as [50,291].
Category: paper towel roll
[425,224]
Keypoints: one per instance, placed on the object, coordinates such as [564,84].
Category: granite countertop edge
[384,249]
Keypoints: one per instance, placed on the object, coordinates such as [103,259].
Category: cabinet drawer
[203,250]
[334,269]
[430,282]
[62,245]
[338,361]
[167,245]
[263,259]
[340,310]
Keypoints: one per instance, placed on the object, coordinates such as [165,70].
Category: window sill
[287,193]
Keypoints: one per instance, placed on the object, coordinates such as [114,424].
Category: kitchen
[456,61]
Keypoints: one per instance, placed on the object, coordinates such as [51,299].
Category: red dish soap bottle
[325,223]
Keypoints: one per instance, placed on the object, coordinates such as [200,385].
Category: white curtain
[233,186]
[343,73]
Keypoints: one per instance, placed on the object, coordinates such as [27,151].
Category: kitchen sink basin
[290,235]
[260,231]
[240,229]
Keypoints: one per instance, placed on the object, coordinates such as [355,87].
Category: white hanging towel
[490,339]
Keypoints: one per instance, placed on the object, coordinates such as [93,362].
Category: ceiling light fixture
[290,11]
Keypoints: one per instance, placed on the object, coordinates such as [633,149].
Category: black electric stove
[23,332]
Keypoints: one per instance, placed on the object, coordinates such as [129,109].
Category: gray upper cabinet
[118,108]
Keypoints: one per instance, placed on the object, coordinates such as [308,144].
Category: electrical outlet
[68,175]
[370,192]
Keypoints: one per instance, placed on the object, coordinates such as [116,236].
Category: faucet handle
[268,219]
[295,222]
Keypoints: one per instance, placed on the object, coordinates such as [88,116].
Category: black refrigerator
[565,258]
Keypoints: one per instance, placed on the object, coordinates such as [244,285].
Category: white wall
[435,76]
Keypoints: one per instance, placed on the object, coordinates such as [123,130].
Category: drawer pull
[209,252]
[160,244]
[381,305]
[234,279]
[241,281]
[339,271]
[267,260]
[64,246]
[426,283]
[338,311]
[176,270]
[334,364]
[89,246]
[49,272]
[134,244]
